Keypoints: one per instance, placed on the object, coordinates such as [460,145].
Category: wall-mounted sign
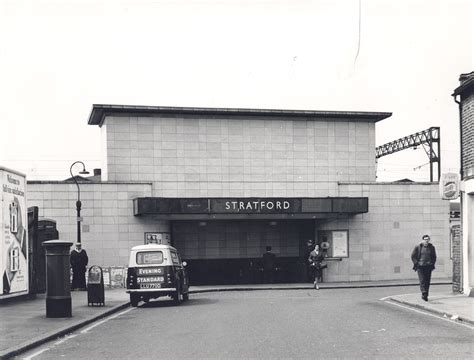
[340,244]
[162,238]
[255,205]
[449,186]
[249,206]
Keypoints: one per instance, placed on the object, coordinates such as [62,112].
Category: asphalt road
[336,323]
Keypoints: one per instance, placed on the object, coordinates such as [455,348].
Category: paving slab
[458,307]
[24,324]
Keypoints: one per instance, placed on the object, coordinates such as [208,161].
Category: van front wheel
[134,299]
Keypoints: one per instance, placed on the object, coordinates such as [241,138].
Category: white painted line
[391,296]
[35,354]
[430,314]
[65,338]
[85,331]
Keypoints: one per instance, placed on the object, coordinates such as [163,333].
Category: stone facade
[215,157]
[109,228]
[381,241]
[192,153]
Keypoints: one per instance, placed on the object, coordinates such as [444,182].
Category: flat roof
[100,111]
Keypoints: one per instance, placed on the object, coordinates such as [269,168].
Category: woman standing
[315,259]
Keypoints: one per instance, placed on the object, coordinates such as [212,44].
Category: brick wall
[467,140]
[214,157]
[457,257]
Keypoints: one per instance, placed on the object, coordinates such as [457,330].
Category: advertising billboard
[14,234]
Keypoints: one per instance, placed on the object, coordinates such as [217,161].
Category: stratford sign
[229,206]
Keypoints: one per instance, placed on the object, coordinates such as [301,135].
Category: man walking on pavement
[424,259]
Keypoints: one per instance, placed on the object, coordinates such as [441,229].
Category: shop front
[223,239]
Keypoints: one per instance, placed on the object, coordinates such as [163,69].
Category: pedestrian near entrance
[315,260]
[424,259]
[78,260]
[269,266]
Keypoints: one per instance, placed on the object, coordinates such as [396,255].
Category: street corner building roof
[467,84]
[100,111]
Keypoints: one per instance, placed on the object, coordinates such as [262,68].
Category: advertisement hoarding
[14,234]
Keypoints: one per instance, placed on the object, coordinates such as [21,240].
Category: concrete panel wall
[381,241]
[109,228]
[215,157]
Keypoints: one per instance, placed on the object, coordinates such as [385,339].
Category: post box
[58,284]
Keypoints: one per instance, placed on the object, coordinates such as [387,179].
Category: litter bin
[95,286]
[58,285]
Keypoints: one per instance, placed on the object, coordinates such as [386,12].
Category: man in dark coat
[424,259]
[79,262]
[269,262]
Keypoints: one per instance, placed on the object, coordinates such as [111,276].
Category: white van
[155,271]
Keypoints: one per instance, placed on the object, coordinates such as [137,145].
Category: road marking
[430,314]
[85,331]
[36,354]
[65,338]
[391,296]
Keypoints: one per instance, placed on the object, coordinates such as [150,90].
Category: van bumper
[163,290]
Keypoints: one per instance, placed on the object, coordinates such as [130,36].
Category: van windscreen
[149,257]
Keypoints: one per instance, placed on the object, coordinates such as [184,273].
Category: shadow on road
[162,303]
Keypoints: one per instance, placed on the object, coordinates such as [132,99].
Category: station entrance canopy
[249,208]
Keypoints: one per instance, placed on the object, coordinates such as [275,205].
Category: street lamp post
[78,202]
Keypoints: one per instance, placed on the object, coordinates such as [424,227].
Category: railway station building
[223,184]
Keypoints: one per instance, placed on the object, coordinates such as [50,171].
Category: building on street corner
[223,184]
[464,96]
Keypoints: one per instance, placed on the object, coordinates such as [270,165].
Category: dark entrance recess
[230,252]
[40,230]
[32,251]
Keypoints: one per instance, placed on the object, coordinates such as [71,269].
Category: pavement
[24,324]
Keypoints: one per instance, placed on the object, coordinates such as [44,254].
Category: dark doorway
[230,252]
[46,230]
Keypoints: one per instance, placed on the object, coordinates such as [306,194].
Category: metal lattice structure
[427,139]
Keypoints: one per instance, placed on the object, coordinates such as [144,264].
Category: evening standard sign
[255,205]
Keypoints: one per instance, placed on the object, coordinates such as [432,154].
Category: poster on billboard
[14,236]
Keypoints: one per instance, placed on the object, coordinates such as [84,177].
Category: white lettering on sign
[238,206]
[142,280]
[149,271]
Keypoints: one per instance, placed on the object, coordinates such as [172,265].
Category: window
[149,257]
[174,258]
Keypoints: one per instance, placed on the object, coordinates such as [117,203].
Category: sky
[57,58]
